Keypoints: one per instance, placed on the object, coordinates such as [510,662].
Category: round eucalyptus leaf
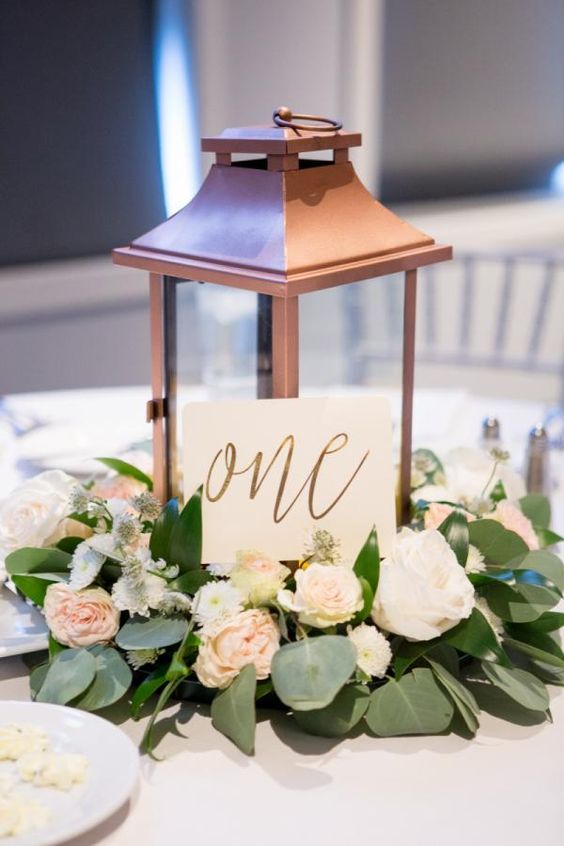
[415,704]
[307,675]
[337,719]
[151,632]
[69,674]
[112,680]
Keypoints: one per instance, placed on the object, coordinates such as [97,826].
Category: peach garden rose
[250,637]
[82,617]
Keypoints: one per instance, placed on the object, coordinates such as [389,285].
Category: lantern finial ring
[283,116]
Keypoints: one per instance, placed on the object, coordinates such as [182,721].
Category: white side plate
[22,628]
[112,776]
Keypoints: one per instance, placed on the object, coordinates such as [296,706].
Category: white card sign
[272,470]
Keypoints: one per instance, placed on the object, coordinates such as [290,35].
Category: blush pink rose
[81,617]
[250,637]
[438,512]
[513,519]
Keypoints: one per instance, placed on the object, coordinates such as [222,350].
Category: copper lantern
[279,225]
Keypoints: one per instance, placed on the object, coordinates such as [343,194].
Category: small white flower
[105,543]
[79,499]
[475,562]
[147,505]
[494,621]
[175,602]
[323,548]
[373,650]
[127,528]
[138,658]
[85,565]
[137,590]
[216,600]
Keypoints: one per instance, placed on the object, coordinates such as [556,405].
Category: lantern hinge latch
[156,409]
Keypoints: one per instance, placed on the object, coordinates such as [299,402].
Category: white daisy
[475,562]
[373,650]
[216,600]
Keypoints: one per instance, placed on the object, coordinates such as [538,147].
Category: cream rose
[325,595]
[33,513]
[250,637]
[257,576]
[422,591]
[512,518]
[80,618]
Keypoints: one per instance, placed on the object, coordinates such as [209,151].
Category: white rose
[325,595]
[423,591]
[33,513]
[257,576]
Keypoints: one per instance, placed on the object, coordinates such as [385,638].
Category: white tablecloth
[505,787]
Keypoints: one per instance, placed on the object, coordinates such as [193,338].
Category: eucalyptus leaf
[407,652]
[69,674]
[233,710]
[497,545]
[454,528]
[32,561]
[476,637]
[126,469]
[337,719]
[415,704]
[519,603]
[36,679]
[151,632]
[550,621]
[461,696]
[520,685]
[147,688]
[308,674]
[367,564]
[550,654]
[537,508]
[546,537]
[112,680]
[159,543]
[186,535]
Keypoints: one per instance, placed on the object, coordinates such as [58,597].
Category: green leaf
[308,674]
[537,508]
[147,688]
[461,696]
[407,652]
[550,621]
[32,587]
[497,545]
[191,581]
[454,528]
[546,563]
[367,564]
[447,656]
[69,674]
[112,680]
[186,535]
[126,469]
[549,653]
[233,710]
[69,544]
[151,632]
[520,603]
[55,647]
[36,679]
[337,719]
[29,561]
[546,537]
[498,493]
[415,704]
[162,531]
[521,686]
[368,602]
[476,637]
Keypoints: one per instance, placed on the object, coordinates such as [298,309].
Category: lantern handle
[283,116]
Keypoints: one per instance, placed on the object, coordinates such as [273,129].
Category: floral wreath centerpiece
[459,612]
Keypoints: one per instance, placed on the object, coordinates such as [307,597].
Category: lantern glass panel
[214,352]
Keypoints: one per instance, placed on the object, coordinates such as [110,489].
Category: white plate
[22,628]
[112,775]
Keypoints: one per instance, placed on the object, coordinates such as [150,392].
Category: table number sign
[272,470]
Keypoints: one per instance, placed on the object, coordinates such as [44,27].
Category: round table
[505,786]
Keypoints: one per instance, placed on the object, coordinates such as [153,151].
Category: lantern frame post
[408,383]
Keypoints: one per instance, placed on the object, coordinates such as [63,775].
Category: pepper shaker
[537,472]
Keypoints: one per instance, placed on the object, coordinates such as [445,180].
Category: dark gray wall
[79,169]
[473,96]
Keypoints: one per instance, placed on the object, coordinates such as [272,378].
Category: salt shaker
[537,468]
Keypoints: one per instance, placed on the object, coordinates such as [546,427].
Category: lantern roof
[282,224]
